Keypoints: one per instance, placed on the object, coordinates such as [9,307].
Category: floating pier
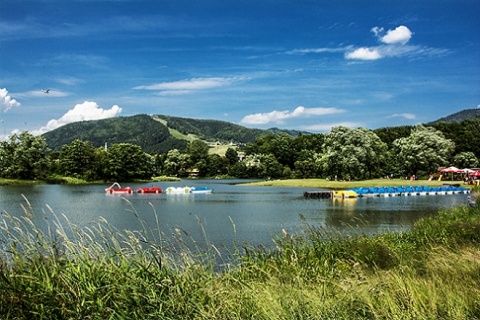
[387,192]
[410,191]
[318,194]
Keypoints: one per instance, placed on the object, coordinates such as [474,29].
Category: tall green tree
[272,169]
[331,159]
[465,160]
[78,159]
[306,165]
[371,152]
[465,135]
[253,166]
[425,149]
[101,159]
[24,156]
[280,145]
[283,148]
[390,134]
[126,162]
[176,163]
[7,151]
[238,170]
[159,164]
[231,155]
[310,142]
[353,153]
[216,165]
[197,151]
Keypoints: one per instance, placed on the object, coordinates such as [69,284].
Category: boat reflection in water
[231,213]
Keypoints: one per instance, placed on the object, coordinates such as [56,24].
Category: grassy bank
[429,272]
[73,181]
[322,183]
[16,182]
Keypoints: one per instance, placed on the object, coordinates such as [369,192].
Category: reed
[63,271]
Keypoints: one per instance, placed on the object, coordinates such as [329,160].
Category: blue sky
[299,64]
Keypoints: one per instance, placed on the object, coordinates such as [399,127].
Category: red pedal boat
[117,189]
[152,189]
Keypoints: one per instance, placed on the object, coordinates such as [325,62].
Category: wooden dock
[317,194]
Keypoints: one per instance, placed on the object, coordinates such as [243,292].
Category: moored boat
[202,189]
[117,189]
[153,189]
[178,190]
[344,194]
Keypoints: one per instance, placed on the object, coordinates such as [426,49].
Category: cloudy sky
[293,64]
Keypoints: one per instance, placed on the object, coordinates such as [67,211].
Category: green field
[220,149]
[323,183]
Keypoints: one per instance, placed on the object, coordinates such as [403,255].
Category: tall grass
[98,272]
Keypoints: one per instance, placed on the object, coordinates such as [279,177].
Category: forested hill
[210,129]
[161,133]
[140,130]
[459,116]
[155,134]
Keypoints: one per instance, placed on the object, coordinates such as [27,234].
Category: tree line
[343,153]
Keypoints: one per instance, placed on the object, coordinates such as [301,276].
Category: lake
[252,214]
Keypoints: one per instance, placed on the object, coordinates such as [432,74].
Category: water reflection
[231,213]
[348,204]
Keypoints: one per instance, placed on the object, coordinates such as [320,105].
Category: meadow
[429,272]
[332,184]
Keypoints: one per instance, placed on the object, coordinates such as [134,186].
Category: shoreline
[339,185]
[299,183]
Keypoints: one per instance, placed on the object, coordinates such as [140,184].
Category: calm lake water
[231,213]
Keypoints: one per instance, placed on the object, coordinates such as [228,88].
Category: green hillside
[161,133]
[155,134]
[141,130]
[211,129]
[459,116]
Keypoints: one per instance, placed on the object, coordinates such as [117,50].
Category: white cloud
[364,54]
[87,110]
[173,92]
[319,50]
[409,116]
[6,102]
[393,45]
[377,30]
[400,34]
[327,127]
[264,118]
[190,85]
[279,116]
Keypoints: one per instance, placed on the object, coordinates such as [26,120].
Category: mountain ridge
[161,133]
[154,133]
[458,116]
